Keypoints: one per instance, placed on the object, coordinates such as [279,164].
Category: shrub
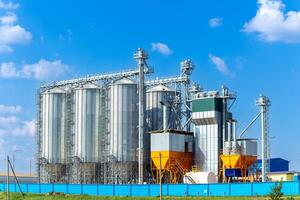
[276,193]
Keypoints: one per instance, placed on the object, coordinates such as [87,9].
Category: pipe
[165,117]
[224,114]
[234,130]
[229,147]
[229,127]
[250,124]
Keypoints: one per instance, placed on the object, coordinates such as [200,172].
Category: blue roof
[274,159]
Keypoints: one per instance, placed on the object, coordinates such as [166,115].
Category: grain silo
[88,116]
[54,134]
[156,98]
[123,132]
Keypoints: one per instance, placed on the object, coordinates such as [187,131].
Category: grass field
[18,196]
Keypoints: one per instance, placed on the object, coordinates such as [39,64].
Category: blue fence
[231,189]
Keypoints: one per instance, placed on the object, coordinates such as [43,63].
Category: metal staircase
[182,170]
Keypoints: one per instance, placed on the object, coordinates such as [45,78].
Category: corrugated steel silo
[123,132]
[155,98]
[87,125]
[123,120]
[54,126]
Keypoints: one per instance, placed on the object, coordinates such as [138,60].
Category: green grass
[18,196]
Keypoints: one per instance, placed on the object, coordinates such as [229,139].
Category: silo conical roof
[160,88]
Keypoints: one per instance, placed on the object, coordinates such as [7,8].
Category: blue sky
[250,46]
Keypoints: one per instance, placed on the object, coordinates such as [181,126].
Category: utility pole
[160,181]
[141,57]
[16,178]
[7,180]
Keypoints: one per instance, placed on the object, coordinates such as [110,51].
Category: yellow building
[281,176]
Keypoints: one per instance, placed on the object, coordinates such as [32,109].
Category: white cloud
[219,64]
[42,70]
[161,48]
[10,109]
[8,6]
[2,148]
[215,22]
[5,49]
[26,128]
[13,126]
[8,19]
[8,70]
[8,122]
[11,34]
[272,24]
[14,35]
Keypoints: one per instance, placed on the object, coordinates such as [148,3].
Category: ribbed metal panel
[171,142]
[248,146]
[154,108]
[54,126]
[87,116]
[123,121]
[208,145]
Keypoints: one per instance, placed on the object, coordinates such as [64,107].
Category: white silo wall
[54,126]
[87,115]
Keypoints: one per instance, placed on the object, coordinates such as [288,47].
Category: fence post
[167,189]
[148,185]
[208,190]
[187,190]
[81,186]
[252,189]
[52,187]
[27,187]
[97,189]
[229,189]
[67,188]
[40,190]
[130,190]
[113,194]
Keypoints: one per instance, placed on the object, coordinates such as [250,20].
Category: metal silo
[123,132]
[156,97]
[54,126]
[123,120]
[54,135]
[87,116]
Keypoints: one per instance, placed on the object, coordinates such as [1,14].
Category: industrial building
[120,128]
[276,165]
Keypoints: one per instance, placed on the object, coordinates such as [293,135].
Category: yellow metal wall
[282,177]
[186,159]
